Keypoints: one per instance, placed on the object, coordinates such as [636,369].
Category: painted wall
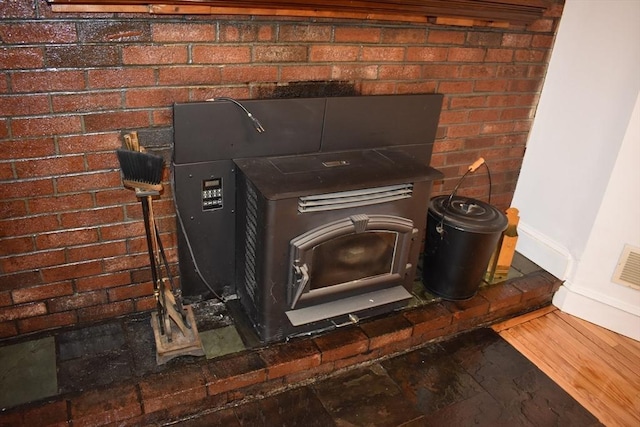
[580,174]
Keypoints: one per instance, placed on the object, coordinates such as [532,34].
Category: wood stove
[315,222]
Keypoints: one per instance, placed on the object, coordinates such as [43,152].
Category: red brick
[24,105]
[304,33]
[484,38]
[467,101]
[43,292]
[466,54]
[61,239]
[542,41]
[125,262]
[464,130]
[122,231]
[99,122]
[353,72]
[358,359]
[89,181]
[357,35]
[7,329]
[61,203]
[12,209]
[192,32]
[447,117]
[247,74]
[18,280]
[312,373]
[427,54]
[144,304]
[75,301]
[22,311]
[478,71]
[102,161]
[516,40]
[289,358]
[47,81]
[92,217]
[71,271]
[542,25]
[530,55]
[48,321]
[154,54]
[246,32]
[441,71]
[171,388]
[501,296]
[491,85]
[404,35]
[467,309]
[280,53]
[112,31]
[10,9]
[130,292]
[89,143]
[86,102]
[32,261]
[189,75]
[235,372]
[155,97]
[104,311]
[22,58]
[455,87]
[333,53]
[484,116]
[400,72]
[499,55]
[105,406]
[446,37]
[431,317]
[101,250]
[6,169]
[38,147]
[221,54]
[513,71]
[296,73]
[49,166]
[120,77]
[5,299]
[42,126]
[416,87]
[384,331]
[80,56]
[52,414]
[341,344]
[85,284]
[15,246]
[382,54]
[41,32]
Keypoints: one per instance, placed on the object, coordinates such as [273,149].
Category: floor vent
[628,270]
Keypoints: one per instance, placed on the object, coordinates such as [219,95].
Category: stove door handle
[302,282]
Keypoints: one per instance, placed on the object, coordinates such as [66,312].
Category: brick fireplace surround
[72,245]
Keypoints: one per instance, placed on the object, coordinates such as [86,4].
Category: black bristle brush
[141,169]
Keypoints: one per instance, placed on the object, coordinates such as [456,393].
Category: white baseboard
[545,252]
[612,315]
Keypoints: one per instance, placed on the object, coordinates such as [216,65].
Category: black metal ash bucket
[462,233]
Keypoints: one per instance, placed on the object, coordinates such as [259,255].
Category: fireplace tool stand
[174,326]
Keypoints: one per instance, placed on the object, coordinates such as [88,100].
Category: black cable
[255,121]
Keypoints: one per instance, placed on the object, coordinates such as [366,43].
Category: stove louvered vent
[628,270]
[354,198]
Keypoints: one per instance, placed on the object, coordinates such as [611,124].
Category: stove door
[349,257]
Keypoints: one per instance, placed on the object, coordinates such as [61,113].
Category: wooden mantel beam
[488,12]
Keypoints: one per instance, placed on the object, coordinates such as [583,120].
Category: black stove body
[315,222]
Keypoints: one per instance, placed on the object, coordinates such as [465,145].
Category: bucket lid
[468,214]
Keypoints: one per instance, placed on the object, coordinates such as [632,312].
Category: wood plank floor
[599,368]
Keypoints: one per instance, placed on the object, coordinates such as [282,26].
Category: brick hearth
[192,385]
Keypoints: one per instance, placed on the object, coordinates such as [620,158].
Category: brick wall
[72,246]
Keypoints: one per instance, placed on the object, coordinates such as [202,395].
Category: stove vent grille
[250,238]
[354,198]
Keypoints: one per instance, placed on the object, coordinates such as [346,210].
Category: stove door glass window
[352,257]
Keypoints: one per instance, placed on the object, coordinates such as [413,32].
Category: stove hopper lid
[294,176]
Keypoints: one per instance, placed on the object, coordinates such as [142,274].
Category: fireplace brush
[142,172]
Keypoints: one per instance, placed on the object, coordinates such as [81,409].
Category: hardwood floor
[599,368]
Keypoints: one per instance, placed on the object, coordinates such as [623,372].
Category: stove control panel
[212,194]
